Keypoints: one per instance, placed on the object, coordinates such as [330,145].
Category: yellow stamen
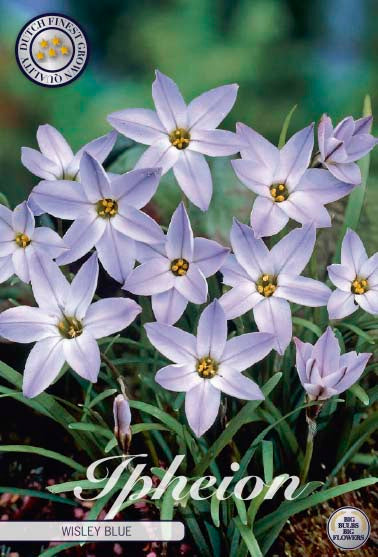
[280,189]
[179,267]
[70,327]
[180,138]
[207,367]
[22,240]
[107,208]
[359,286]
[266,285]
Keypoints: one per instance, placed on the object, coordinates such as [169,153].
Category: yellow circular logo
[348,528]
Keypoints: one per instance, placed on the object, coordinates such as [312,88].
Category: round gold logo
[348,528]
[52,50]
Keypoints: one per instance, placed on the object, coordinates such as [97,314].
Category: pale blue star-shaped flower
[206,365]
[179,135]
[65,325]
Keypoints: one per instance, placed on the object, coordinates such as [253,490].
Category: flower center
[22,240]
[279,192]
[266,285]
[207,367]
[70,327]
[107,208]
[359,286]
[179,267]
[180,138]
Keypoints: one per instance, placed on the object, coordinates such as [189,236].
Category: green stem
[308,454]
[116,373]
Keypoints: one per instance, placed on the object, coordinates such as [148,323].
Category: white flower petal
[193,285]
[47,240]
[178,377]
[116,253]
[94,179]
[212,332]
[39,165]
[83,356]
[168,306]
[240,299]
[136,187]
[180,243]
[50,287]
[267,217]
[214,143]
[233,383]
[23,220]
[258,149]
[27,324]
[250,252]
[341,304]
[63,199]
[175,344]
[209,255]
[170,106]
[80,238]
[341,276]
[21,263]
[273,315]
[6,268]
[292,253]
[53,146]
[109,316]
[368,301]
[160,155]
[202,406]
[140,124]
[243,351]
[150,278]
[302,290]
[209,109]
[353,253]
[295,156]
[82,288]
[43,365]
[193,176]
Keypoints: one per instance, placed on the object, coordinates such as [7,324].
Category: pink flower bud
[122,421]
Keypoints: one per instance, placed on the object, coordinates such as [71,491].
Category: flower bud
[122,421]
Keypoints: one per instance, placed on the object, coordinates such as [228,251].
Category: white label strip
[93,531]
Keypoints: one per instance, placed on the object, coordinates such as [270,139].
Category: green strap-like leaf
[267,455]
[290,508]
[214,509]
[38,494]
[248,538]
[47,405]
[56,549]
[243,417]
[170,422]
[43,452]
[285,127]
